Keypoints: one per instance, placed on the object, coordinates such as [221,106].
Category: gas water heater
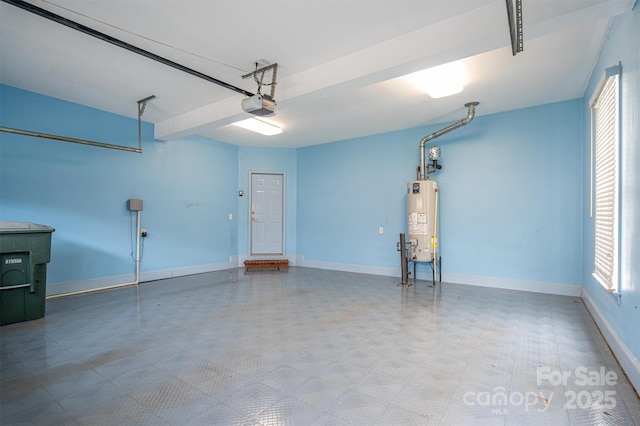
[422,205]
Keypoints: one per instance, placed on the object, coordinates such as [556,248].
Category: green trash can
[25,250]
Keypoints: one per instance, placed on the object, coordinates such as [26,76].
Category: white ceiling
[340,62]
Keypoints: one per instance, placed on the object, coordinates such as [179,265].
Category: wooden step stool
[266,264]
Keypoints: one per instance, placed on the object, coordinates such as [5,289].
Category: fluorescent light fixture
[259,126]
[443,80]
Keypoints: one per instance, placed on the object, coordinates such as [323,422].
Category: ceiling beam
[461,36]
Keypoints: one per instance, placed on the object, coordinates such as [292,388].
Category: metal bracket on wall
[142,104]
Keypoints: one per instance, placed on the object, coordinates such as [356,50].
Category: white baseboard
[345,267]
[187,270]
[494,282]
[511,284]
[60,289]
[627,360]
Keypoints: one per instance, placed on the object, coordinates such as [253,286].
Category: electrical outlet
[381,230]
[230,216]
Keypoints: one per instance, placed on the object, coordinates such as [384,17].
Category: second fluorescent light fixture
[259,126]
[441,81]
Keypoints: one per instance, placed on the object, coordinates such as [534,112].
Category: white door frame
[284,214]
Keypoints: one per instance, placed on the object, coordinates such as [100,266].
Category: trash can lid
[23,227]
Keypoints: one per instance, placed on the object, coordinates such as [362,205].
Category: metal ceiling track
[514,15]
[105,37]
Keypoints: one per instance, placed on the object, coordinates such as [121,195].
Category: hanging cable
[143,36]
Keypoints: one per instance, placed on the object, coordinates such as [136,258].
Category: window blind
[606,183]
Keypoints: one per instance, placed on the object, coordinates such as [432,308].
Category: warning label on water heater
[417,223]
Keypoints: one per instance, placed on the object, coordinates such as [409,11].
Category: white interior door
[267,207]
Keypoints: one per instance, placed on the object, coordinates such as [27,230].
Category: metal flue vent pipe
[472,112]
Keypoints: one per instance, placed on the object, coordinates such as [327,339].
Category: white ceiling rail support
[67,139]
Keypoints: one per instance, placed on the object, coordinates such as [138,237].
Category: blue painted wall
[347,190]
[622,45]
[188,188]
[510,196]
